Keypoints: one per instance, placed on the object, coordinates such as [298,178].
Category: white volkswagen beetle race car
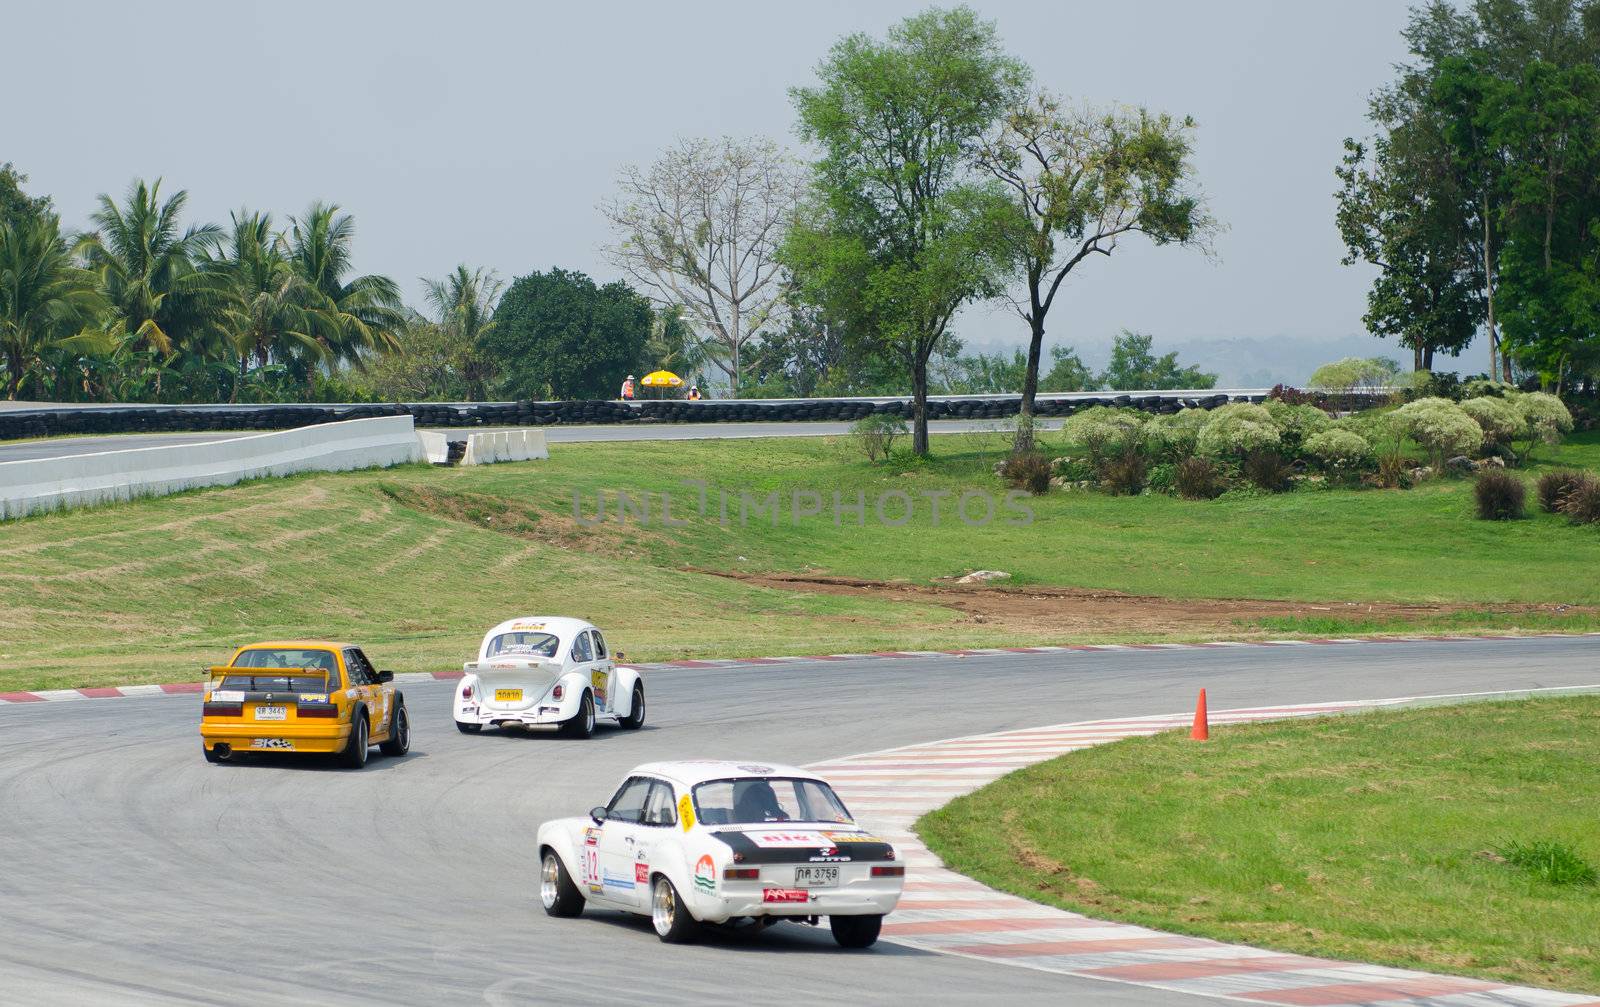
[547,670]
[694,843]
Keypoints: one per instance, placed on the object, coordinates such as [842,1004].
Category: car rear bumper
[247,737]
[860,899]
[534,715]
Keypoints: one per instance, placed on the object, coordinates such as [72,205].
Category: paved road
[56,447]
[134,872]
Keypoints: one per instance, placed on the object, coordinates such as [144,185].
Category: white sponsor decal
[227,696]
[788,839]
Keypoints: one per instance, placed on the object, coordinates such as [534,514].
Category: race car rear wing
[328,678]
[548,665]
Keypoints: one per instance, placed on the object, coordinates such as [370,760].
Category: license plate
[508,695]
[816,877]
[271,712]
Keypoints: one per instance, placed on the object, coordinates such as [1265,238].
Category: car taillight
[222,710]
[557,692]
[897,871]
[317,710]
[742,873]
[466,691]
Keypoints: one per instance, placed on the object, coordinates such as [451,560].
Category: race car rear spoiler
[548,665]
[226,671]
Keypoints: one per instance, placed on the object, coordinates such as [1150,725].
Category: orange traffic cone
[1202,727]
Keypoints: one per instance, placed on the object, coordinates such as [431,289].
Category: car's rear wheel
[556,890]
[216,753]
[468,728]
[855,931]
[635,718]
[399,741]
[669,915]
[355,750]
[582,725]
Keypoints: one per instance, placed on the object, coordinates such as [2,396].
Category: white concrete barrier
[525,444]
[47,483]
[435,446]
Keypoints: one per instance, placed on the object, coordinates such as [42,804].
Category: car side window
[658,809]
[580,648]
[357,667]
[629,804]
[599,645]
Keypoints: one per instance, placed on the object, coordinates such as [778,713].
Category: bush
[1544,417]
[1440,427]
[1124,474]
[1198,479]
[1338,450]
[1161,478]
[1478,388]
[1236,429]
[1392,470]
[1073,470]
[1553,487]
[1501,496]
[1581,505]
[1268,470]
[1297,422]
[1499,419]
[1174,435]
[1105,432]
[875,434]
[1029,471]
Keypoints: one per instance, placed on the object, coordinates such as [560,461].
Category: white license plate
[816,877]
[271,712]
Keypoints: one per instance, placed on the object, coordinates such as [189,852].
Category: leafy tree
[1356,375]
[673,346]
[901,231]
[559,336]
[1081,181]
[146,269]
[464,305]
[15,204]
[426,367]
[44,296]
[354,315]
[268,312]
[1067,372]
[1133,366]
[700,230]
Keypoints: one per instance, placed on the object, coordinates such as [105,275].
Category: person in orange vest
[694,393]
[627,389]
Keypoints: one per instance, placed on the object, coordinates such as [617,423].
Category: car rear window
[290,658]
[759,800]
[522,645]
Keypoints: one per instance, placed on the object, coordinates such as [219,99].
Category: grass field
[1459,839]
[415,562]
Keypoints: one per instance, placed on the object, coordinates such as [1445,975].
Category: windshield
[761,800]
[291,657]
[522,645]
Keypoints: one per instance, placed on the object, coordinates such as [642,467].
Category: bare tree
[700,229]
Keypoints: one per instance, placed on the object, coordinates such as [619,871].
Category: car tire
[557,891]
[211,754]
[468,728]
[669,915]
[581,725]
[354,755]
[635,718]
[399,740]
[855,931]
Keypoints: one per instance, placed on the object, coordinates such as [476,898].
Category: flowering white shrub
[1499,419]
[1338,450]
[1105,432]
[1237,429]
[1440,427]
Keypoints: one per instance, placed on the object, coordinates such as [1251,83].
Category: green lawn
[415,562]
[1380,837]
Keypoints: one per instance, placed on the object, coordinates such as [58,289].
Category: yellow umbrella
[661,379]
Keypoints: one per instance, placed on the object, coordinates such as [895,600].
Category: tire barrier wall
[68,419]
[75,480]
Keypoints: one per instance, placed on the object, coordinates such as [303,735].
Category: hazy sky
[486,132]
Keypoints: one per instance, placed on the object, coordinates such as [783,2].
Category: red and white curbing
[171,688]
[948,913]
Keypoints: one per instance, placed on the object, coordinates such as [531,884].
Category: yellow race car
[302,696]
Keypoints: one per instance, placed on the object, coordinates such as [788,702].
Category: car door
[583,663]
[382,696]
[619,845]
[365,684]
[602,677]
[659,821]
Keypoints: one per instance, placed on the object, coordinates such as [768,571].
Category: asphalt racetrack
[57,447]
[137,873]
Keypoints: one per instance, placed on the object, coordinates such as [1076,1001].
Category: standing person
[694,393]
[627,389]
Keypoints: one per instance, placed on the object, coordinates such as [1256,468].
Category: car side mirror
[386,676]
[599,815]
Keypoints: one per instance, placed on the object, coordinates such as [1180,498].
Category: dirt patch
[1065,612]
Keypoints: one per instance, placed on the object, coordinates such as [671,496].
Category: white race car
[547,670]
[692,843]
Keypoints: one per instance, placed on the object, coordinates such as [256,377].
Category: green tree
[427,366]
[464,304]
[44,296]
[146,269]
[14,203]
[1132,366]
[1081,181]
[559,336]
[1067,373]
[268,313]
[901,231]
[354,316]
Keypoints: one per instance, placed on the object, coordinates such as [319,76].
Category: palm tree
[269,313]
[44,296]
[147,271]
[352,317]
[464,303]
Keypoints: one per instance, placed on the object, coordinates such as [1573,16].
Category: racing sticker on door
[686,812]
[598,680]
